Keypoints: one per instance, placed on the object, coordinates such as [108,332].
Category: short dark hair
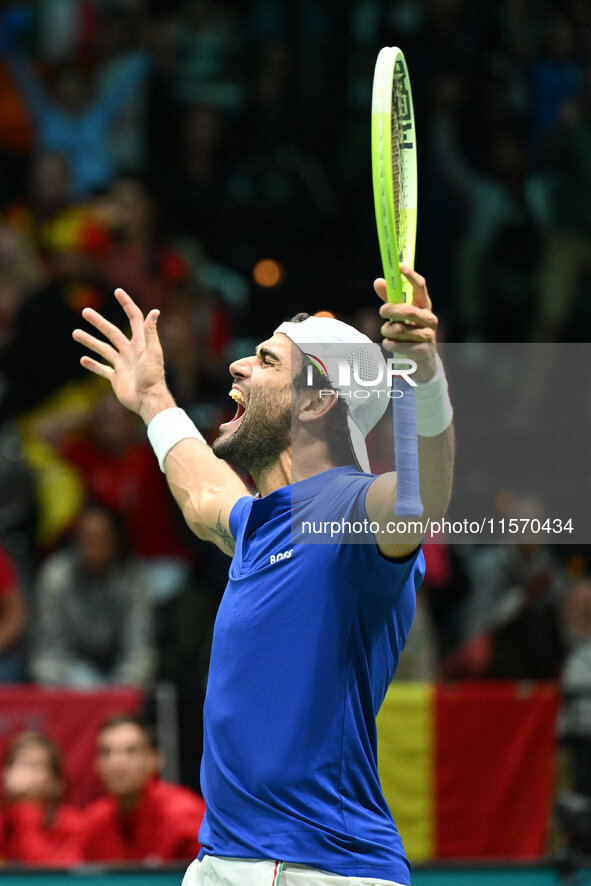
[338,436]
[113,518]
[126,719]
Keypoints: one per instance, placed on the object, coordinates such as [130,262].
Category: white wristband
[433,408]
[168,428]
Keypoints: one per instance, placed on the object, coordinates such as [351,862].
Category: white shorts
[214,871]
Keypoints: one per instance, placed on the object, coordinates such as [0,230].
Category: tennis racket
[394,172]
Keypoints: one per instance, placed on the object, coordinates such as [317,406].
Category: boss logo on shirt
[275,558]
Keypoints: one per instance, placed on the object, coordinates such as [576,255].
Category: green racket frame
[394,170]
[395,245]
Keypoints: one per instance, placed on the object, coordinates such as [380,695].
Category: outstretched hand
[135,366]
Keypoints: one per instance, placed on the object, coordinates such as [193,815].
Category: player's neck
[274,476]
[292,467]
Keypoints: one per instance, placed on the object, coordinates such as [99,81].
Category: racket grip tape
[408,496]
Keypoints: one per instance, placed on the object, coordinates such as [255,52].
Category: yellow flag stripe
[405,760]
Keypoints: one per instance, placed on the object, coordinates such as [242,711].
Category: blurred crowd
[212,158]
[138,818]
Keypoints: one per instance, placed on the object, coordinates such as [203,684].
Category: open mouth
[240,400]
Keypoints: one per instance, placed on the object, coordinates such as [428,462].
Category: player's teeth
[238,397]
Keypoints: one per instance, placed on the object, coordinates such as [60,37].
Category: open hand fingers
[99,347]
[96,367]
[133,313]
[108,329]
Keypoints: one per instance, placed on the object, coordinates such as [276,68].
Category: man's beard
[259,441]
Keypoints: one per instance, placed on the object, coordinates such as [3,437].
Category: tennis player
[308,635]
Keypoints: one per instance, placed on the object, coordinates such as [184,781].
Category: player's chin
[225,440]
[224,434]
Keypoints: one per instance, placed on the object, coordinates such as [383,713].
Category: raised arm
[416,325]
[132,74]
[205,488]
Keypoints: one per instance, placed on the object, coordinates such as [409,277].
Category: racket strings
[401,116]
[396,174]
[398,167]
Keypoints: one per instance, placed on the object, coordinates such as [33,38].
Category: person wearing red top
[142,818]
[38,828]
[120,471]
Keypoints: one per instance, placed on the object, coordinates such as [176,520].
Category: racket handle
[408,497]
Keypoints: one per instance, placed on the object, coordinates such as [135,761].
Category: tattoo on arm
[224,534]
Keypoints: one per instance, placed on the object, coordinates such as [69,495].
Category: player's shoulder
[343,481]
[336,492]
[348,475]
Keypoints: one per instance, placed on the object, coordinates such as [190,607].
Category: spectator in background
[120,30]
[136,260]
[504,213]
[437,622]
[15,128]
[197,329]
[555,77]
[184,633]
[209,43]
[20,271]
[511,628]
[445,587]
[46,245]
[49,221]
[567,254]
[38,828]
[142,818]
[119,470]
[13,618]
[18,505]
[69,242]
[194,190]
[67,121]
[93,622]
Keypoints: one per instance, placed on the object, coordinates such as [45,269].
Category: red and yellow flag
[468,768]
